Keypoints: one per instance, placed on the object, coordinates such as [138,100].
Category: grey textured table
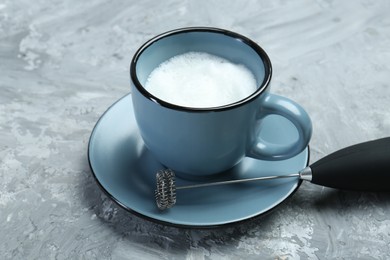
[62,63]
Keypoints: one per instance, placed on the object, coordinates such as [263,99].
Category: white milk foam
[199,80]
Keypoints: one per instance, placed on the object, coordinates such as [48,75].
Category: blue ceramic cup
[203,141]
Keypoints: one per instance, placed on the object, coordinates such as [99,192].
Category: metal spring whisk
[165,193]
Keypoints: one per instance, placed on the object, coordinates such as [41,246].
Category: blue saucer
[125,170]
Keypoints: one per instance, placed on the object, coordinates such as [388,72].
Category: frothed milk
[198,79]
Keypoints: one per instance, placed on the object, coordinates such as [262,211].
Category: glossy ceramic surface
[125,170]
[211,140]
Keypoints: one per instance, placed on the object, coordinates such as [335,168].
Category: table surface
[63,63]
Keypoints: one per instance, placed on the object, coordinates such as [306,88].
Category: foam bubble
[198,79]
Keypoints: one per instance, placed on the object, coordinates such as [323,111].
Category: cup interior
[231,46]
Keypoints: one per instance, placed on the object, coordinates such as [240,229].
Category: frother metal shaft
[304,174]
[237,181]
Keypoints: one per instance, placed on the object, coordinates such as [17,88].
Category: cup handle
[278,105]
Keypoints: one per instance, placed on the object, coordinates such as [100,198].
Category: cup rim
[262,54]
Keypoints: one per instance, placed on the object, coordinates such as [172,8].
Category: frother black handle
[361,167]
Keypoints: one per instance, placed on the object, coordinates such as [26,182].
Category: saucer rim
[167,223]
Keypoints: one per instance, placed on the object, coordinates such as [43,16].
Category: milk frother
[360,167]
